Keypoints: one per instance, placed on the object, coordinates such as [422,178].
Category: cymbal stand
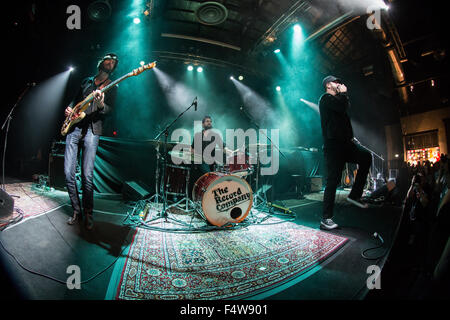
[257,196]
[165,132]
[157,196]
[258,199]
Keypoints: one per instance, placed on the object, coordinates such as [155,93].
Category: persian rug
[224,264]
[34,201]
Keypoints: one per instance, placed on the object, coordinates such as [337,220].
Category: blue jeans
[89,142]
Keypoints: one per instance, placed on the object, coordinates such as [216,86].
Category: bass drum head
[226,199]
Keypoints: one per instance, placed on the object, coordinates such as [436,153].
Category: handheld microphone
[195,104]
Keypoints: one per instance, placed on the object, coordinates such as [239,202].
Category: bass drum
[224,198]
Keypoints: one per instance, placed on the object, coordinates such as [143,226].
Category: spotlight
[278,88]
[231,78]
[190,68]
[99,10]
[241,78]
[432,83]
[276,50]
[142,63]
[71,69]
[199,69]
[397,155]
[297,28]
[136,20]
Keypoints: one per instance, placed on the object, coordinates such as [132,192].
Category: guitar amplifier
[316,183]
[56,176]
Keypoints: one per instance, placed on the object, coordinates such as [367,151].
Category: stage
[316,264]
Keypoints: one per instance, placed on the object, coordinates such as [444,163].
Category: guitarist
[86,134]
[339,148]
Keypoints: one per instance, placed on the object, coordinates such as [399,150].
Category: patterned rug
[34,201]
[226,264]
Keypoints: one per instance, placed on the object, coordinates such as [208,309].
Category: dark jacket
[94,116]
[336,125]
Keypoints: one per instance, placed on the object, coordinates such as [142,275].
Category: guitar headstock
[139,70]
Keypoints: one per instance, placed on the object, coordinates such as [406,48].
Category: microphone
[195,104]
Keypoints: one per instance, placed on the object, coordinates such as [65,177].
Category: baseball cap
[329,79]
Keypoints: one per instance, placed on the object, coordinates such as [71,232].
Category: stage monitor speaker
[316,183]
[134,191]
[56,171]
[6,204]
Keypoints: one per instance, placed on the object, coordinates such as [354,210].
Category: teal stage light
[136,20]
[278,88]
[199,69]
[276,51]
[297,28]
[190,68]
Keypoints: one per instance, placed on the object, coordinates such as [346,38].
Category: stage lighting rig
[99,10]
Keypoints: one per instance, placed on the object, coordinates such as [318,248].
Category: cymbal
[186,156]
[170,144]
[261,145]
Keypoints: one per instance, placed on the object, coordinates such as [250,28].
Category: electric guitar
[78,112]
[347,180]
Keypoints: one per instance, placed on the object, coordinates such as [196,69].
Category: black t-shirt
[215,139]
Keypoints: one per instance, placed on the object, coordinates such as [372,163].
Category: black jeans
[336,155]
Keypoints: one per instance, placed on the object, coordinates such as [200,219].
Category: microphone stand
[7,123]
[165,132]
[257,196]
[371,177]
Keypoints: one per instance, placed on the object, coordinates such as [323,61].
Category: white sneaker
[358,203]
[328,224]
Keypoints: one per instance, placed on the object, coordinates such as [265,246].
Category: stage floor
[44,243]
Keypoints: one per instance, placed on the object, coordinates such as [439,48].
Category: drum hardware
[224,199]
[260,200]
[238,165]
[164,211]
[156,197]
[283,209]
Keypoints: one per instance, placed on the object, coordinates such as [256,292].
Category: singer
[86,134]
[339,148]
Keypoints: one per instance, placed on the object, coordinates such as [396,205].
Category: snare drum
[238,165]
[176,179]
[224,198]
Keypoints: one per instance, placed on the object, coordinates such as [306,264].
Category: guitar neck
[112,84]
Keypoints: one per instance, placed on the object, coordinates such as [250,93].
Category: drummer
[207,137]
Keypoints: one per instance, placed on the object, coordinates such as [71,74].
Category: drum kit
[222,197]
